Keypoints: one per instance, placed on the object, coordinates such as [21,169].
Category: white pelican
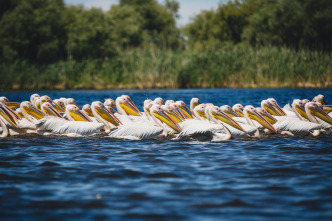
[193,103]
[255,119]
[203,128]
[272,107]
[11,105]
[236,129]
[146,129]
[316,114]
[228,110]
[79,123]
[110,105]
[15,125]
[159,101]
[320,99]
[185,110]
[291,125]
[238,108]
[125,106]
[87,110]
[104,116]
[71,101]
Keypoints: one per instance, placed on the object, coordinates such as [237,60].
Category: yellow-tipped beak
[174,116]
[270,118]
[51,112]
[89,113]
[58,108]
[327,108]
[8,117]
[232,113]
[187,112]
[271,110]
[78,115]
[163,117]
[260,119]
[12,105]
[239,113]
[228,120]
[318,112]
[302,112]
[279,110]
[109,117]
[130,109]
[34,112]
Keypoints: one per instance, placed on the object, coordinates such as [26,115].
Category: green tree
[33,31]
[214,27]
[86,30]
[159,25]
[124,28]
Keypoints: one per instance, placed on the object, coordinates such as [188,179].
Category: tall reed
[239,66]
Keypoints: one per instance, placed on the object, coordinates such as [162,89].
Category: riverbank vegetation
[45,44]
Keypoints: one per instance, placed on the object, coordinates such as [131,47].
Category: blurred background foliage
[46,44]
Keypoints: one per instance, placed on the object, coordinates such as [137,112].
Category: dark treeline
[47,44]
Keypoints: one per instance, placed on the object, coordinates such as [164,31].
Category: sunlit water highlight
[275,178]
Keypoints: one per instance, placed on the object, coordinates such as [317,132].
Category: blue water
[98,178]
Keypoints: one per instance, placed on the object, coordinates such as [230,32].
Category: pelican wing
[296,126]
[136,130]
[62,126]
[193,127]
[80,127]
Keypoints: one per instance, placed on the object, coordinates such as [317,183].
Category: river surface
[98,178]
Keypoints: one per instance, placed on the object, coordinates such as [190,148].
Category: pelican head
[29,110]
[44,99]
[251,113]
[60,105]
[110,102]
[320,99]
[194,102]
[266,105]
[169,102]
[75,114]
[314,110]
[71,101]
[304,101]
[147,105]
[110,105]
[19,112]
[159,101]
[157,112]
[3,99]
[49,110]
[87,110]
[126,106]
[228,110]
[7,115]
[218,114]
[98,109]
[199,111]
[11,105]
[238,108]
[276,106]
[33,97]
[184,109]
[266,114]
[298,108]
[174,112]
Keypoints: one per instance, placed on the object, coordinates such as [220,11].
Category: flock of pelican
[171,119]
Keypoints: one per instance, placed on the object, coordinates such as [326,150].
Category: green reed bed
[155,68]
